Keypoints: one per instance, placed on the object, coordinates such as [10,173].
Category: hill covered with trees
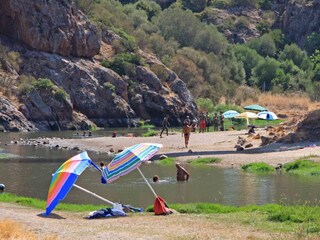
[138,59]
[217,46]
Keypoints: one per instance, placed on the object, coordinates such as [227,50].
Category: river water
[26,171]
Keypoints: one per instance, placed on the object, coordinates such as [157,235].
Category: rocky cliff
[298,19]
[62,51]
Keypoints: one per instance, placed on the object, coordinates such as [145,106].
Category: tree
[249,57]
[294,53]
[181,25]
[264,45]
[209,39]
[265,72]
[205,104]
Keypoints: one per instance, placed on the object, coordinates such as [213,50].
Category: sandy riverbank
[213,144]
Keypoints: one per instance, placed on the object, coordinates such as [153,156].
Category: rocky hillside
[62,51]
[298,19]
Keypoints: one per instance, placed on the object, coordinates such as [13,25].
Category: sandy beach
[211,144]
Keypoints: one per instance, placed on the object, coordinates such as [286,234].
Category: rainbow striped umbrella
[129,159]
[64,178]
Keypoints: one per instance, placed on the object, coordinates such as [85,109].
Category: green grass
[204,161]
[273,217]
[167,161]
[303,167]
[259,167]
[41,204]
[301,220]
[150,133]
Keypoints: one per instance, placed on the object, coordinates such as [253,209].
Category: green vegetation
[150,133]
[203,161]
[302,219]
[60,94]
[123,63]
[41,204]
[270,216]
[182,34]
[43,83]
[304,167]
[167,161]
[260,167]
[110,86]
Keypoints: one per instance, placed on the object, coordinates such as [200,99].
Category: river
[27,170]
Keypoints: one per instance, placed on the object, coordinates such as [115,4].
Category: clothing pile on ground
[117,210]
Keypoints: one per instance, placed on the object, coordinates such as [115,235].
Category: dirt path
[214,144]
[66,225]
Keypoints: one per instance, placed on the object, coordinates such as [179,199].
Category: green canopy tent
[255,107]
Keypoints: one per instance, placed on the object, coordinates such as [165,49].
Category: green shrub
[127,41]
[257,167]
[43,83]
[109,86]
[242,22]
[150,133]
[60,94]
[304,167]
[167,161]
[123,64]
[202,161]
[25,84]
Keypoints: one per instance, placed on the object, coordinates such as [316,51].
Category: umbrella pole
[93,194]
[152,190]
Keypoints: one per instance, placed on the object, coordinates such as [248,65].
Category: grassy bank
[300,219]
[303,166]
[41,204]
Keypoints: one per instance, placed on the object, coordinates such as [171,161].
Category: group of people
[205,122]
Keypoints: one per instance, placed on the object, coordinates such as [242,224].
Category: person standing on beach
[202,123]
[221,122]
[215,122]
[208,122]
[165,125]
[182,174]
[186,131]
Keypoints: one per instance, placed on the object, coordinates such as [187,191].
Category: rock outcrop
[11,119]
[298,20]
[54,42]
[49,26]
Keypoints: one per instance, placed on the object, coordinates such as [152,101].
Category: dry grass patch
[287,105]
[11,230]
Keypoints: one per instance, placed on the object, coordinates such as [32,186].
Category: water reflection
[30,175]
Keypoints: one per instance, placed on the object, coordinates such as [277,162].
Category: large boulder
[11,119]
[50,26]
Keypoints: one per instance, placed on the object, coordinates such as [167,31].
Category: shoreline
[211,144]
